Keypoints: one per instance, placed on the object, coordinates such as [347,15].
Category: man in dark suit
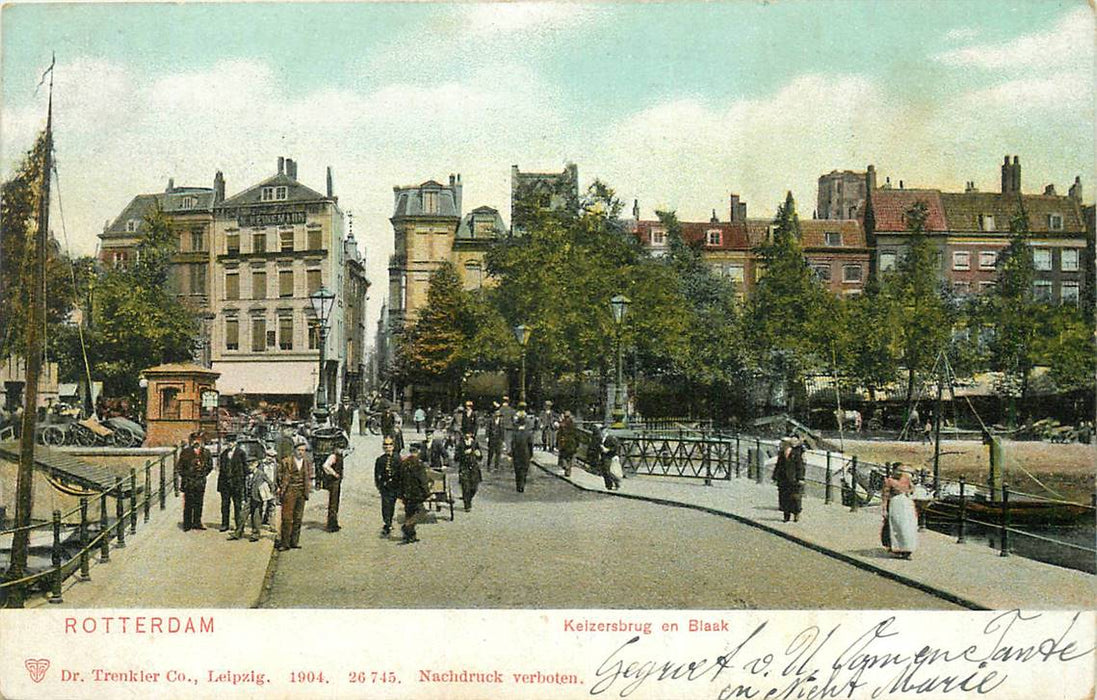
[195,464]
[295,474]
[495,439]
[468,467]
[468,420]
[231,473]
[386,476]
[521,450]
[414,490]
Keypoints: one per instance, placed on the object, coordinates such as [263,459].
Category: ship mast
[33,360]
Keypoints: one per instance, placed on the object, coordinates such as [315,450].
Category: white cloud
[1069,44]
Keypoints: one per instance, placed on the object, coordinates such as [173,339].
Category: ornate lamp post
[322,300]
[619,305]
[521,334]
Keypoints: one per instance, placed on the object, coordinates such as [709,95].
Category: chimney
[291,168]
[870,178]
[171,184]
[636,210]
[218,187]
[456,185]
[738,209]
[331,187]
[887,182]
[1075,191]
[1049,190]
[1016,175]
[281,165]
[969,186]
[714,219]
[900,184]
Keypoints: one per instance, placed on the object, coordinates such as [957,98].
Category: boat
[1021,511]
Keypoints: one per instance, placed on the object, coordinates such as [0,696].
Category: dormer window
[658,238]
[188,202]
[714,237]
[430,202]
[1055,222]
[832,238]
[986,222]
[273,194]
[131,226]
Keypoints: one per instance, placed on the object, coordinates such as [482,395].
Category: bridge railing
[131,502]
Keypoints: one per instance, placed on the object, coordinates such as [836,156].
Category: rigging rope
[72,276]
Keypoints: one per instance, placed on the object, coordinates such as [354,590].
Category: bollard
[55,588]
[148,488]
[738,457]
[104,529]
[759,460]
[963,512]
[119,514]
[162,493]
[1005,520]
[174,474]
[853,484]
[85,569]
[133,501]
[826,487]
[706,460]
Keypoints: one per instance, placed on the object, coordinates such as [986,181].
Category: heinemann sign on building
[281,216]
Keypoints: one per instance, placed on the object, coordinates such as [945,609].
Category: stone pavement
[164,567]
[971,574]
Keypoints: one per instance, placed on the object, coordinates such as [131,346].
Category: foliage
[1013,312]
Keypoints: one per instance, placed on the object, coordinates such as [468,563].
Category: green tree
[871,354]
[1065,344]
[787,316]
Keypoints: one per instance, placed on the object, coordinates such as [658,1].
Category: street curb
[834,554]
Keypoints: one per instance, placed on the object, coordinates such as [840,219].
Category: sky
[674,105]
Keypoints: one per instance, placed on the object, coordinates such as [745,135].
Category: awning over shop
[280,378]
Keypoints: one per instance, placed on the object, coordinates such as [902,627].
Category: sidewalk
[164,567]
[971,574]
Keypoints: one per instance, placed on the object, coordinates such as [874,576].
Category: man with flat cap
[195,464]
[468,467]
[521,450]
[386,476]
[295,474]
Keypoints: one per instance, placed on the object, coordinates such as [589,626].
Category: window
[198,241]
[198,279]
[832,238]
[1055,222]
[271,339]
[188,202]
[1041,290]
[258,334]
[658,237]
[286,239]
[986,286]
[285,332]
[314,335]
[313,280]
[988,259]
[314,239]
[735,272]
[232,285]
[232,243]
[851,273]
[430,202]
[714,237]
[285,283]
[1068,260]
[821,272]
[232,334]
[887,261]
[1041,258]
[986,222]
[259,284]
[961,260]
[169,403]
[118,259]
[272,194]
[961,288]
[1068,293]
[131,226]
[259,242]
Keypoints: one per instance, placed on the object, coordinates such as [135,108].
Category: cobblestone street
[555,546]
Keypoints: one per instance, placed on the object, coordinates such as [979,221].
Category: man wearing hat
[231,473]
[506,412]
[468,419]
[789,475]
[414,490]
[521,450]
[195,464]
[468,467]
[333,479]
[386,477]
[548,427]
[295,474]
[494,431]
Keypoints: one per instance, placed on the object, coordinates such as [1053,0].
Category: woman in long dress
[898,506]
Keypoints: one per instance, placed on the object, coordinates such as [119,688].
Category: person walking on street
[386,477]
[506,413]
[295,475]
[567,442]
[388,422]
[414,490]
[195,464]
[363,419]
[332,470]
[494,430]
[610,448]
[789,475]
[398,430]
[420,416]
[231,473]
[468,419]
[549,426]
[521,450]
[257,489]
[900,517]
[468,468]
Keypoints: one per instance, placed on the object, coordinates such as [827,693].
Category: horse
[849,416]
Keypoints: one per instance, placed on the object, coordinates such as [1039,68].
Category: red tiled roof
[812,233]
[734,234]
[889,207]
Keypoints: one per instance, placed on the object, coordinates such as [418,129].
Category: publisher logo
[37,668]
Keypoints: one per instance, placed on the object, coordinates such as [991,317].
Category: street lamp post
[322,300]
[619,305]
[521,334]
